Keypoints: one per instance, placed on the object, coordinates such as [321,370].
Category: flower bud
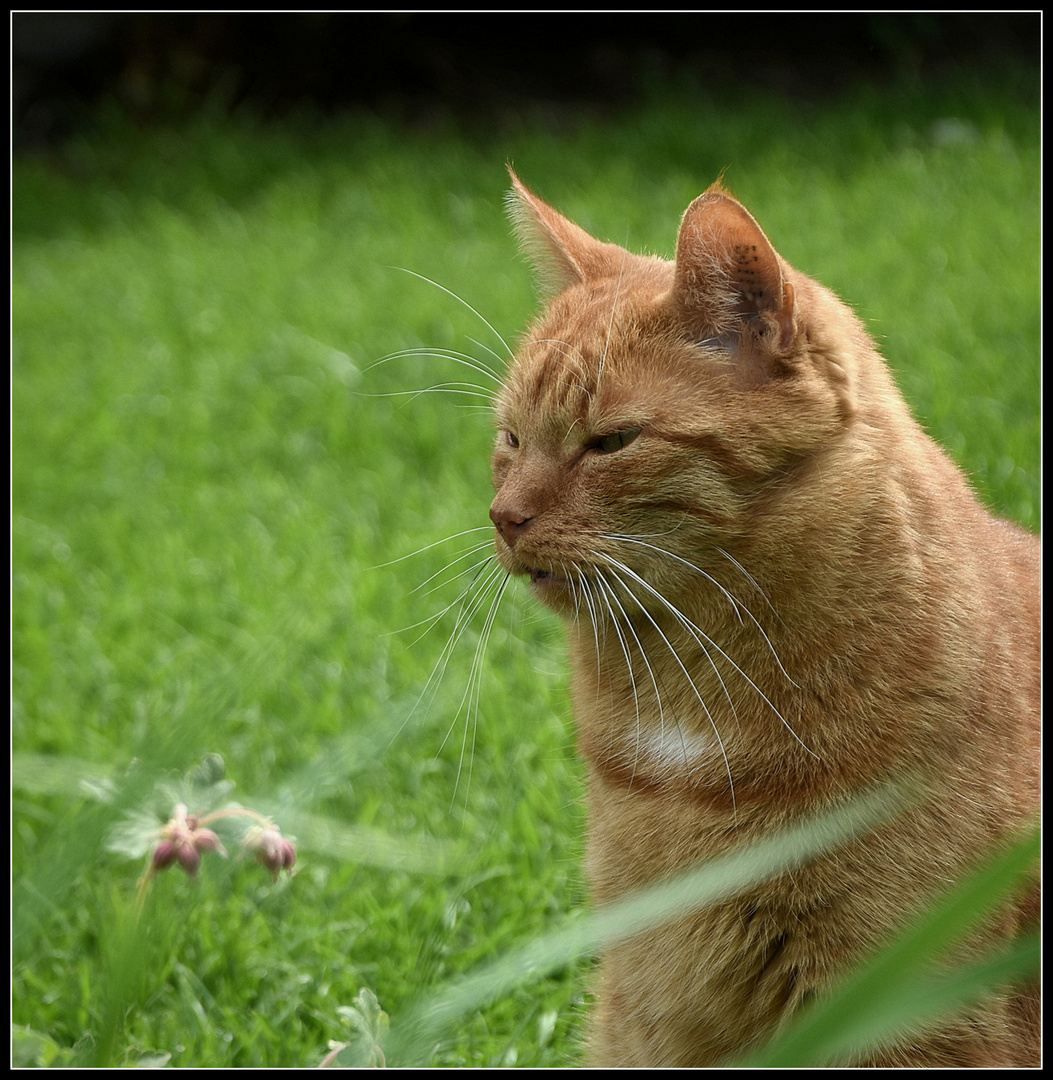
[164,855]
[188,856]
[207,840]
[182,840]
[271,849]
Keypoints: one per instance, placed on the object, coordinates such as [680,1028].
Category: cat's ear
[562,253]
[729,276]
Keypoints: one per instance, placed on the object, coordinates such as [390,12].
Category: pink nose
[510,523]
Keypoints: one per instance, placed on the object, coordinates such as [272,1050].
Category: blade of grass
[414,1035]
[897,991]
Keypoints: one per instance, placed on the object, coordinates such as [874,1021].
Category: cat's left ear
[728,275]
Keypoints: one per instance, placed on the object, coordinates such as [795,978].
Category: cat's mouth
[544,578]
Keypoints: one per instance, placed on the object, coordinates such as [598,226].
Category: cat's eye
[607,444]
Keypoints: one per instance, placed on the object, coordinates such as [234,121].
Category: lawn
[228,518]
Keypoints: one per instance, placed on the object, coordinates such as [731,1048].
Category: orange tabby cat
[783,592]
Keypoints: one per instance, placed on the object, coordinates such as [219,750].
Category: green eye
[607,444]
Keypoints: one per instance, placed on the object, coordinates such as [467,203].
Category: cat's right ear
[562,254]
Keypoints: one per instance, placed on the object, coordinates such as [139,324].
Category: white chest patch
[669,749]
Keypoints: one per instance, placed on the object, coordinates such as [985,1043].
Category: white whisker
[496,355]
[449,566]
[684,621]
[609,594]
[468,609]
[687,675]
[749,577]
[460,300]
[431,620]
[428,547]
[737,606]
[466,359]
[698,634]
[440,388]
[470,699]
[594,618]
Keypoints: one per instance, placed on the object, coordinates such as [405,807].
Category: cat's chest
[675,715]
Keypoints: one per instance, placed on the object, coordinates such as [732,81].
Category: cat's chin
[552,589]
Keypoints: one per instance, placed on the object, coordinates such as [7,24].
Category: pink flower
[271,849]
[183,840]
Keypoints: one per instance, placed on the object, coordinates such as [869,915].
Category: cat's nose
[510,523]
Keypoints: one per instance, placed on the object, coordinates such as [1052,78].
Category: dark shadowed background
[419,66]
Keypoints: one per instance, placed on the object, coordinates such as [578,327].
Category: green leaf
[32,1049]
[898,991]
[712,882]
[369,1027]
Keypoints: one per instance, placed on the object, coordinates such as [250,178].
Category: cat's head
[653,404]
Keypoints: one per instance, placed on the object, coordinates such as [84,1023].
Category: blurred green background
[213,476]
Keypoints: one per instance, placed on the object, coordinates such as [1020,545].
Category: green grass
[210,485]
